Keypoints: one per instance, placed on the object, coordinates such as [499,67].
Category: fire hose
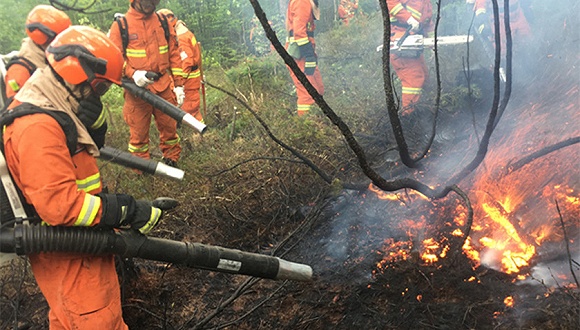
[25,239]
[163,105]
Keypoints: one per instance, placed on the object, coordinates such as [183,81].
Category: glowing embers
[396,196]
[505,244]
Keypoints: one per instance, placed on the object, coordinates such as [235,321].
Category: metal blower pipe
[146,165]
[27,239]
[164,106]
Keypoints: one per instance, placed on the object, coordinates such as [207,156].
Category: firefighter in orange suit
[42,25]
[300,26]
[61,180]
[191,64]
[483,21]
[415,16]
[149,51]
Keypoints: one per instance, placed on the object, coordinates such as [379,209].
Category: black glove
[91,113]
[310,65]
[98,135]
[307,51]
[123,210]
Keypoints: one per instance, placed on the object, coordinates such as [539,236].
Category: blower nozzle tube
[26,239]
[164,106]
[146,165]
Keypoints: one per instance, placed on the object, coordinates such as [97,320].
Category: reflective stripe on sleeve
[155,214]
[415,13]
[396,9]
[89,211]
[90,183]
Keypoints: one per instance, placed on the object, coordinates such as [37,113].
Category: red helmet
[82,53]
[45,22]
[169,14]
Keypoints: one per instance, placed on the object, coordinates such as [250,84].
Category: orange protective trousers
[304,99]
[412,73]
[191,103]
[97,306]
[137,114]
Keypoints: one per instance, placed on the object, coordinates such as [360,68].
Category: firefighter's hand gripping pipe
[164,106]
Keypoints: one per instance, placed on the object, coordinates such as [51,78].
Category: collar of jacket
[44,90]
[180,27]
[32,52]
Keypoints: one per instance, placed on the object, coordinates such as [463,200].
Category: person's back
[150,51]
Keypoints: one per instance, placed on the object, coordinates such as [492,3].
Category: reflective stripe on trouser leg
[303,109]
[137,115]
[412,73]
[302,94]
[167,127]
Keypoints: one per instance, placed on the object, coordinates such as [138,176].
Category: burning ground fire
[518,217]
[500,237]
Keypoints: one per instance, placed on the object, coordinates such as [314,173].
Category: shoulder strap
[63,119]
[8,211]
[122,23]
[165,25]
[22,61]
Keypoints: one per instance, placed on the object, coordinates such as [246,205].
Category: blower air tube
[167,108]
[27,239]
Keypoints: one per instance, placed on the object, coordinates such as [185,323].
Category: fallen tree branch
[512,167]
[248,283]
[567,245]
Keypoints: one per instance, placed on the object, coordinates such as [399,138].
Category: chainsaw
[413,45]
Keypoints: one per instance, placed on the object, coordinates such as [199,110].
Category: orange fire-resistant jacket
[518,23]
[82,291]
[191,64]
[30,57]
[300,26]
[412,71]
[148,50]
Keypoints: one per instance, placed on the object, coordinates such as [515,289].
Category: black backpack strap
[68,126]
[22,61]
[165,25]
[124,31]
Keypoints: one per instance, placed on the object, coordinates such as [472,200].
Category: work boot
[170,162]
